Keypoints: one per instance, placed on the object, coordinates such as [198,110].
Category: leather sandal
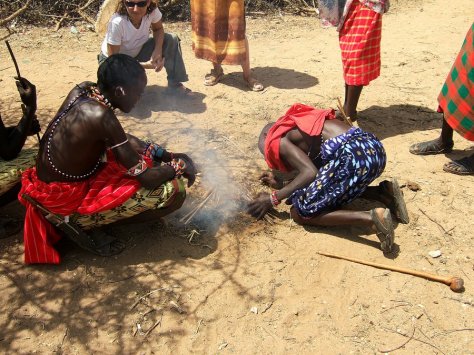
[213,77]
[384,229]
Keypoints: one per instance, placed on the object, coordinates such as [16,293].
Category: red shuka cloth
[308,119]
[106,189]
[359,39]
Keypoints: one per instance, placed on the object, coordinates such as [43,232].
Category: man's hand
[260,205]
[27,93]
[157,60]
[269,179]
[190,170]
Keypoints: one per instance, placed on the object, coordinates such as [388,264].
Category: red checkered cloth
[456,98]
[308,119]
[108,188]
[359,40]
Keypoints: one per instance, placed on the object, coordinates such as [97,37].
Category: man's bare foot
[253,84]
[436,146]
[383,226]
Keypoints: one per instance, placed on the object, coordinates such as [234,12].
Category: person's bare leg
[338,218]
[375,193]
[215,75]
[351,100]
[378,220]
[443,144]
[252,83]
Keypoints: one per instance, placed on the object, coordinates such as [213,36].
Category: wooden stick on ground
[456,284]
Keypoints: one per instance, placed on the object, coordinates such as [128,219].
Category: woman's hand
[157,60]
[190,170]
[269,179]
[260,205]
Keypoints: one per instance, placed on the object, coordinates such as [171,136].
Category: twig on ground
[417,339]
[401,346]
[153,326]
[432,220]
[190,216]
[146,295]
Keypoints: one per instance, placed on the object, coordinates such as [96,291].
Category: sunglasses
[133,4]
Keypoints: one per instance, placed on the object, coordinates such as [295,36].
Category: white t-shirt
[120,31]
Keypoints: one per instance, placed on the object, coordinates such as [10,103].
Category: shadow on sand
[280,78]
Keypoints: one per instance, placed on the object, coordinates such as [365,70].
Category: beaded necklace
[91,92]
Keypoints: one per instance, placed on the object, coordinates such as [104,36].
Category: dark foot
[383,228]
[464,166]
[397,205]
[9,227]
[436,146]
[105,244]
[96,241]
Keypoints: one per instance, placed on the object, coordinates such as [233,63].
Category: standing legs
[351,100]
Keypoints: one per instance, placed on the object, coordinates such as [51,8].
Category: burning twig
[187,218]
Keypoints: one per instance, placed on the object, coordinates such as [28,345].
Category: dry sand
[198,291]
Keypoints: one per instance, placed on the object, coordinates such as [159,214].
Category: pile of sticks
[190,215]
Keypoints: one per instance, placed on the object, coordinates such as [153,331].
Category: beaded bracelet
[274,199]
[178,165]
[154,151]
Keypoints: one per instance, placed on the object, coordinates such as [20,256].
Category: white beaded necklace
[93,93]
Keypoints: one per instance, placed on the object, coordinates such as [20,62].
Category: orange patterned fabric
[219,30]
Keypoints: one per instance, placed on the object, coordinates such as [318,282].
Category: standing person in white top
[128,33]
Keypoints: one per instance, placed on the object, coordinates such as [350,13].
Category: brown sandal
[213,77]
[384,230]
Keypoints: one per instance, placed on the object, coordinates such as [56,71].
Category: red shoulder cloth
[308,119]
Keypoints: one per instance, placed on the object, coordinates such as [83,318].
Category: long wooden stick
[455,283]
[341,109]
[14,60]
[18,75]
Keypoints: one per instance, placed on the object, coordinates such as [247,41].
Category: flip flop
[9,227]
[384,230]
[398,206]
[462,166]
[213,77]
[430,148]
[254,85]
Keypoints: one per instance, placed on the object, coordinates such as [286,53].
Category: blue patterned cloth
[350,162]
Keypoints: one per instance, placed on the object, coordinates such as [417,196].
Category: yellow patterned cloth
[143,200]
[219,30]
[10,171]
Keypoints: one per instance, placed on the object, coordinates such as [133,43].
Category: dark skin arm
[128,155]
[190,171]
[12,139]
[295,157]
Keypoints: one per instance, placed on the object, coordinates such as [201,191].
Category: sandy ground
[239,286]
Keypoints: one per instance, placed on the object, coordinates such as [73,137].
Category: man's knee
[171,40]
[296,217]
